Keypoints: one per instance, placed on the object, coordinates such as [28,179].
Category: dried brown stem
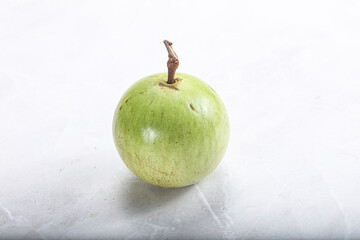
[172,63]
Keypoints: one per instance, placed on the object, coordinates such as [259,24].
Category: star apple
[171,129]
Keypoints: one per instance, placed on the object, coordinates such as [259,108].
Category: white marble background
[288,72]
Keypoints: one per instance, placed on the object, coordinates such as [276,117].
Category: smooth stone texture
[287,71]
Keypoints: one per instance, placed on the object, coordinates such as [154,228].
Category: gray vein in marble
[208,206]
[19,221]
[8,213]
[338,203]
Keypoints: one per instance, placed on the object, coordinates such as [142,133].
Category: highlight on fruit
[171,129]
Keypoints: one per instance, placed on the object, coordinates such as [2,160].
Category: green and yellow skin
[171,135]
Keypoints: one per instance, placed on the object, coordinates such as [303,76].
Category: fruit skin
[171,135]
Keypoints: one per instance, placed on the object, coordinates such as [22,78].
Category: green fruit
[171,134]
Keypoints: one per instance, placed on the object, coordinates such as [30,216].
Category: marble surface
[288,72]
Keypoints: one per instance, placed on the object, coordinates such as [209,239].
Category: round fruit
[171,130]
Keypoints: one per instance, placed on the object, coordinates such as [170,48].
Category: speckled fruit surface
[171,135]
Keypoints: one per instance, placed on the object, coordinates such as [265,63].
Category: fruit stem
[172,63]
